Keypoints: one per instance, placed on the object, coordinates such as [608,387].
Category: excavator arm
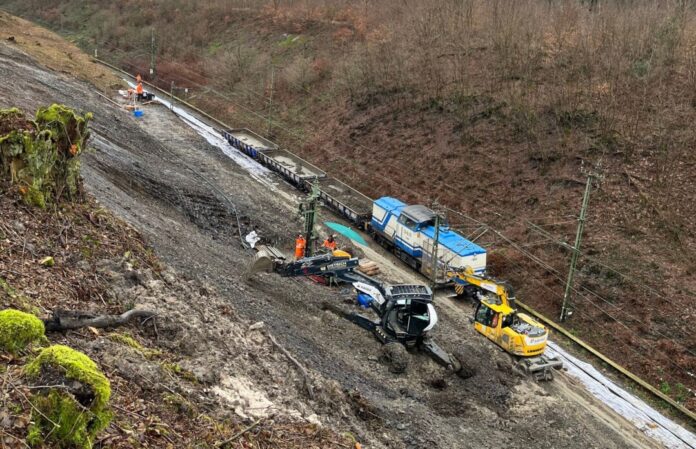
[341,268]
[467,277]
[497,319]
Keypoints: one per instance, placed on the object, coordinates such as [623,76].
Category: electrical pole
[309,210]
[153,74]
[171,96]
[270,101]
[566,308]
[436,244]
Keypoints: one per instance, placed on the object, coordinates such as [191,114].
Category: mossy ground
[17,300]
[66,422]
[131,342]
[18,330]
[63,418]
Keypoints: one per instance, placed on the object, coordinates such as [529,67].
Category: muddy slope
[180,192]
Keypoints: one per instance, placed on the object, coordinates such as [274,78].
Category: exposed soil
[179,191]
[635,285]
[161,386]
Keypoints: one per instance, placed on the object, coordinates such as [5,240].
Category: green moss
[127,340]
[133,343]
[179,404]
[42,156]
[63,419]
[16,408]
[179,371]
[34,437]
[19,329]
[70,425]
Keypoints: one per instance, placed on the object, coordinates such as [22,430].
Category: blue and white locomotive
[409,231]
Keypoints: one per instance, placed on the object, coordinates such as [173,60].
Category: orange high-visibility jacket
[300,244]
[139,89]
[330,244]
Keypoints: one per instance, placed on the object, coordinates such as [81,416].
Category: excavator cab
[410,319]
[488,321]
[517,333]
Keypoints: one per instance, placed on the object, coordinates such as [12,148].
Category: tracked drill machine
[404,312]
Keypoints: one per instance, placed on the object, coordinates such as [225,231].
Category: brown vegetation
[493,107]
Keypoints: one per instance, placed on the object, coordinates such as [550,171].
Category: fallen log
[63,320]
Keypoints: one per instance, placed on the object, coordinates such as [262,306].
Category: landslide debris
[194,374]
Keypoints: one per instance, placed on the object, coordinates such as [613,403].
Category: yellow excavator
[497,319]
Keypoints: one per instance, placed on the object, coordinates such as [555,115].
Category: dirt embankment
[181,379]
[151,174]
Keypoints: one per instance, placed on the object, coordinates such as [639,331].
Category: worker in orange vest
[300,245]
[330,243]
[139,91]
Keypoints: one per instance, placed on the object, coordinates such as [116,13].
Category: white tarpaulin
[644,417]
[256,170]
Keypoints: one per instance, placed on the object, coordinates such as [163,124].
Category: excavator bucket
[264,260]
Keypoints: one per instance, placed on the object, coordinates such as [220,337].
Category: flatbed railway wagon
[337,196]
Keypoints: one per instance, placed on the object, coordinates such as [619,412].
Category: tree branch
[63,320]
[305,374]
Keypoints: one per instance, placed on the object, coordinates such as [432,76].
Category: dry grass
[54,52]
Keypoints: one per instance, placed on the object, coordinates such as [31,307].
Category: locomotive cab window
[404,220]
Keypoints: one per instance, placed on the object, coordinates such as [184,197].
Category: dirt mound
[396,357]
[167,372]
